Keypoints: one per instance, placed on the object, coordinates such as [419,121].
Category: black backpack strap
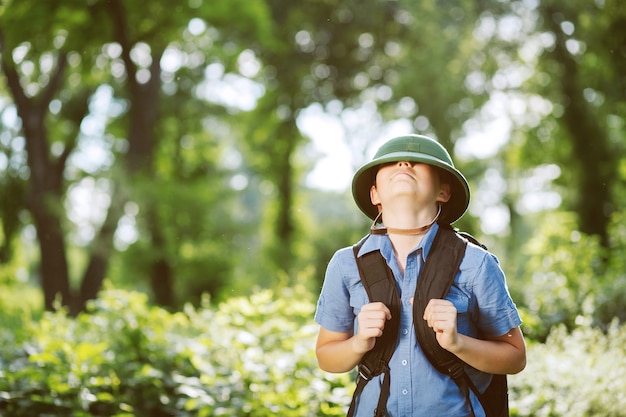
[434,282]
[495,398]
[470,238]
[380,285]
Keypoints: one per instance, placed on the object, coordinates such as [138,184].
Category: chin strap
[380,229]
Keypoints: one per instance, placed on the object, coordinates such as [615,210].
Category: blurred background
[194,152]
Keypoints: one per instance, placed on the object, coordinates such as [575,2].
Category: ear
[445,192]
[374,196]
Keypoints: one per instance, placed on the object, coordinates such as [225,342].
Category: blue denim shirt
[480,295]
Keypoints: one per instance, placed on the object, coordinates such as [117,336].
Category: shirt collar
[427,241]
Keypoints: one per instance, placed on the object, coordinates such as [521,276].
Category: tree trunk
[590,143]
[54,273]
[285,228]
[101,251]
[142,141]
[44,192]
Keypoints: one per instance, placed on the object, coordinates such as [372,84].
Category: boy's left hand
[441,316]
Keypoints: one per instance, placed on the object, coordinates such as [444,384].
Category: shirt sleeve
[496,311]
[334,311]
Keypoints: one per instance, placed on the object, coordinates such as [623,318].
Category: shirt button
[405,392]
[404,362]
[405,331]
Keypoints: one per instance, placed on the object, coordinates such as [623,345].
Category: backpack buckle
[365,372]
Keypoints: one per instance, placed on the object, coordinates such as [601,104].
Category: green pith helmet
[412,148]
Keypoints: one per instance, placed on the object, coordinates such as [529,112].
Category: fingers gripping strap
[380,285]
[434,282]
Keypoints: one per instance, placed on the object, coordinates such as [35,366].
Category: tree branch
[55,81]
[13,78]
[77,113]
[120,34]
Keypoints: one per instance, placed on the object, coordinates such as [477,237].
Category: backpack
[435,280]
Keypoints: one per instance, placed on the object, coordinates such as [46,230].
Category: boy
[411,186]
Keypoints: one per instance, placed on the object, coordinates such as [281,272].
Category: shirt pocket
[461,302]
[358,297]
[459,299]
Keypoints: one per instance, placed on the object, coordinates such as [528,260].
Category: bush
[578,373]
[568,275]
[250,357]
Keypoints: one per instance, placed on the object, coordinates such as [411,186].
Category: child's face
[418,180]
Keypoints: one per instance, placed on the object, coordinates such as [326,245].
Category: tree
[34,49]
[320,48]
[562,82]
[584,46]
[434,70]
[570,58]
[54,40]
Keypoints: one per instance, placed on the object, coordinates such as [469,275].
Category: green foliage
[17,295]
[201,224]
[333,224]
[250,356]
[568,277]
[578,373]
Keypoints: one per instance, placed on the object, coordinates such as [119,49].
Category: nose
[405,164]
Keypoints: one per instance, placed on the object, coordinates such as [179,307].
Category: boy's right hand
[371,320]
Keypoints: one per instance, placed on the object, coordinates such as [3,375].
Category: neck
[405,239]
[404,226]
